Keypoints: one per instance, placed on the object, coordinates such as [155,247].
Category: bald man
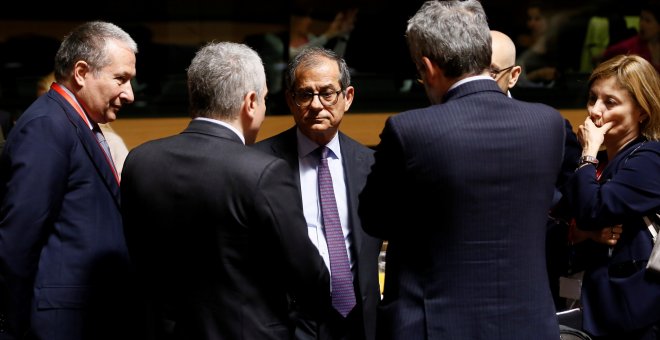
[503,62]
[505,73]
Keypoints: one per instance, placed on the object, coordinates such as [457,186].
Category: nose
[316,102]
[126,95]
[596,110]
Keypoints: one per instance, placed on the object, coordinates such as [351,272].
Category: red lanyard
[81,113]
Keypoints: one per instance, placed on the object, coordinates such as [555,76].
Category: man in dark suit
[318,93]
[62,251]
[215,228]
[461,190]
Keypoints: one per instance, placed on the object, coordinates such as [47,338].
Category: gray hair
[453,34]
[310,57]
[88,43]
[220,76]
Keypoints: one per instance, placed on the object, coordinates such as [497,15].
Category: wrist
[588,159]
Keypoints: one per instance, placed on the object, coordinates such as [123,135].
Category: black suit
[357,160]
[461,191]
[217,234]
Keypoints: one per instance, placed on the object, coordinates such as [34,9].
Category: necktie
[343,295]
[104,144]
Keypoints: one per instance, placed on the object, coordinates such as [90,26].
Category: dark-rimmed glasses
[304,99]
[495,72]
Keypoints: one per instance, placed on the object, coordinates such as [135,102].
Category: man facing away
[63,257]
[318,93]
[461,191]
[504,53]
[215,228]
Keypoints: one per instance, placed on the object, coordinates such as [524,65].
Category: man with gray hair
[63,257]
[215,228]
[461,190]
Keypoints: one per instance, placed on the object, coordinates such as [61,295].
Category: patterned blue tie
[104,144]
[343,295]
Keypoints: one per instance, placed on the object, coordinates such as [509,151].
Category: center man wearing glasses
[318,92]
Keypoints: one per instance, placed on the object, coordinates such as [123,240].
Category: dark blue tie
[343,295]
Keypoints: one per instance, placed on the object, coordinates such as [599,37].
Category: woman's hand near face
[591,137]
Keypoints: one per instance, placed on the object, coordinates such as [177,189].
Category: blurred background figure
[645,44]
[610,24]
[537,58]
[335,37]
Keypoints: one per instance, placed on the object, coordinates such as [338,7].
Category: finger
[607,126]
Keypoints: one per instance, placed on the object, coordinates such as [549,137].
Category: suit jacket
[617,298]
[217,236]
[357,160]
[63,256]
[461,191]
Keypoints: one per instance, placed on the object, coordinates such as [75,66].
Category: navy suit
[217,234]
[461,191]
[357,160]
[617,298]
[63,257]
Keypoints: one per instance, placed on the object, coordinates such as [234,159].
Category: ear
[430,70]
[250,105]
[515,73]
[348,97]
[80,71]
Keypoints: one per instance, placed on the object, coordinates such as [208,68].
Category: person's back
[461,191]
[475,216]
[224,277]
[215,228]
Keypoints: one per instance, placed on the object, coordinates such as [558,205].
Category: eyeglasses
[495,72]
[304,99]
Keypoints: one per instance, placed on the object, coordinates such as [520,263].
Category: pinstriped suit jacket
[462,191]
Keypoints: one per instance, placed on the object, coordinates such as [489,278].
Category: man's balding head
[504,60]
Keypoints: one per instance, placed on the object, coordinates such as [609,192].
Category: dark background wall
[168,32]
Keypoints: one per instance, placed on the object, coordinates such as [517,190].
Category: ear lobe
[80,71]
[250,103]
[515,74]
[349,94]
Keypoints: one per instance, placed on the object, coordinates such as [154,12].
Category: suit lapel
[286,148]
[91,146]
[350,161]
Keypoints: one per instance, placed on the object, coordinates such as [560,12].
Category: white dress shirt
[308,163]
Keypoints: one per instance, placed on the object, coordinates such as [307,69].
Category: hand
[609,236]
[591,137]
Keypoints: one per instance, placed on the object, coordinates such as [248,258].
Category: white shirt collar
[225,124]
[307,146]
[469,79]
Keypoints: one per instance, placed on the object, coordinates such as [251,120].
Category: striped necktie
[343,295]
